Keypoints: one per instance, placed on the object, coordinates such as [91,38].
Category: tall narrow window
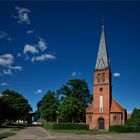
[103,77]
[98,77]
[101,104]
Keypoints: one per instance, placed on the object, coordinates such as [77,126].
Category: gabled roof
[102,61]
[90,109]
[116,107]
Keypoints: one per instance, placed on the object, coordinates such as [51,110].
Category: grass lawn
[80,132]
[6,134]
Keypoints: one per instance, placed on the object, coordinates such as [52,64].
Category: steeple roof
[102,61]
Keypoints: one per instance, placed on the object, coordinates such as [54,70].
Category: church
[104,110]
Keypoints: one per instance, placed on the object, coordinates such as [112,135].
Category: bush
[124,128]
[66,126]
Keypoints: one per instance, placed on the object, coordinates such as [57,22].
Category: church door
[101,123]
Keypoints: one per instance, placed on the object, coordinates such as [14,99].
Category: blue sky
[44,44]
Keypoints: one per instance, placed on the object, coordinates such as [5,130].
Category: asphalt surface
[38,133]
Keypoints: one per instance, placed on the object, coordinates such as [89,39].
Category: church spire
[102,61]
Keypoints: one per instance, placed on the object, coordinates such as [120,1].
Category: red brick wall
[106,93]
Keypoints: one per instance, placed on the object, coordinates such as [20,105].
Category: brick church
[104,110]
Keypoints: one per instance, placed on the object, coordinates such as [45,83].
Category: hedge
[66,126]
[124,128]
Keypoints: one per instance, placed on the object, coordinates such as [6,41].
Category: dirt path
[38,133]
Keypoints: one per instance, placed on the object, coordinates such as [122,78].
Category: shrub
[124,128]
[66,126]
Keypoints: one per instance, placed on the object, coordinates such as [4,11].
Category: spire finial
[102,22]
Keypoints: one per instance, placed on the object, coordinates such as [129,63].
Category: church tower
[102,111]
[102,86]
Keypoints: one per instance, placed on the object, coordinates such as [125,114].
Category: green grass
[5,135]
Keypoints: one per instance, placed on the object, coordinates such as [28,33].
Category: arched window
[103,77]
[98,77]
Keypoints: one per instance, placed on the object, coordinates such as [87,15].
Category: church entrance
[101,123]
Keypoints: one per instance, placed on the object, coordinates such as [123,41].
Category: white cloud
[5,35]
[3,84]
[30,32]
[19,68]
[19,54]
[116,74]
[42,45]
[129,112]
[6,59]
[7,72]
[39,91]
[30,48]
[75,74]
[43,57]
[22,15]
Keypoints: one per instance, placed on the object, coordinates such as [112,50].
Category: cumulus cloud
[30,32]
[42,45]
[3,84]
[19,54]
[39,91]
[43,57]
[19,68]
[22,15]
[116,74]
[5,35]
[75,74]
[6,59]
[6,62]
[7,72]
[30,48]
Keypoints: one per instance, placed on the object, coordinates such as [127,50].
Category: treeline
[67,104]
[135,118]
[13,106]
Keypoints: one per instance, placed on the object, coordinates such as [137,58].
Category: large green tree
[71,110]
[78,89]
[47,107]
[136,116]
[17,106]
[74,99]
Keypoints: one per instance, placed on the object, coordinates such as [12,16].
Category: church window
[101,104]
[98,77]
[114,118]
[103,77]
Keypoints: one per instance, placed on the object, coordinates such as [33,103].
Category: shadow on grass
[6,134]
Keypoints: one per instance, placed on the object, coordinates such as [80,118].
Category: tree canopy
[74,99]
[68,103]
[14,106]
[47,107]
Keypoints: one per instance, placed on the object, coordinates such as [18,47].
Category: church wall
[95,119]
[116,118]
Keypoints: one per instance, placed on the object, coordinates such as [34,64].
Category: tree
[17,105]
[78,89]
[5,110]
[71,110]
[135,118]
[74,99]
[47,107]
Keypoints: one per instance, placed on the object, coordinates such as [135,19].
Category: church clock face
[101,89]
